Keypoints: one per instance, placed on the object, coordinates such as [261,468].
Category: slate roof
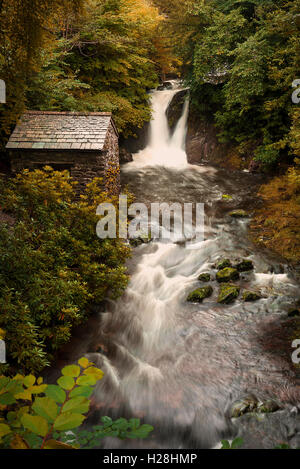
[50,130]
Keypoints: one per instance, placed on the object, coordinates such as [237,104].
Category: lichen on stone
[228,293]
[204,277]
[197,296]
[251,296]
[244,266]
[227,274]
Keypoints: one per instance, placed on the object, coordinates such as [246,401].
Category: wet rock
[293,312]
[250,404]
[251,296]
[227,274]
[254,166]
[222,263]
[135,242]
[277,269]
[239,214]
[228,293]
[202,143]
[244,266]
[166,85]
[244,406]
[205,277]
[267,407]
[136,143]
[197,296]
[125,156]
[175,109]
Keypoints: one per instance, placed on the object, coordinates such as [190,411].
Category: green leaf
[4,430]
[225,444]
[66,382]
[237,443]
[45,407]
[85,391]
[55,392]
[71,370]
[68,421]
[134,423]
[86,380]
[141,432]
[78,405]
[7,399]
[35,424]
[3,382]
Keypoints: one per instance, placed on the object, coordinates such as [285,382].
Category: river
[176,365]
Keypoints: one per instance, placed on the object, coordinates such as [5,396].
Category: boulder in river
[243,406]
[267,407]
[244,266]
[251,296]
[228,293]
[222,263]
[136,242]
[125,156]
[166,85]
[175,108]
[197,296]
[205,277]
[239,214]
[250,404]
[227,274]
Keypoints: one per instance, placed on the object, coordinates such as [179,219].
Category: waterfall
[164,149]
[178,365]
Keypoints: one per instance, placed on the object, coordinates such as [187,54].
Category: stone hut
[86,144]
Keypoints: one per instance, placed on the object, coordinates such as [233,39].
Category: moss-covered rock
[267,407]
[228,293]
[135,242]
[251,296]
[239,214]
[244,406]
[227,274]
[197,296]
[244,266]
[250,404]
[205,277]
[222,263]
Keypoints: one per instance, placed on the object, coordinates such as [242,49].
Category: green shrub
[53,267]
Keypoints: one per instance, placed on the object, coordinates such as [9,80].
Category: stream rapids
[179,366]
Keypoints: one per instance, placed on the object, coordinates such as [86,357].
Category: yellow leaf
[83,362]
[29,381]
[54,444]
[18,443]
[95,372]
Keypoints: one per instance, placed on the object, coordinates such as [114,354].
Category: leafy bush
[241,59]
[277,224]
[34,415]
[52,265]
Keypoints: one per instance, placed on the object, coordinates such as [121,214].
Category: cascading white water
[174,364]
[163,148]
